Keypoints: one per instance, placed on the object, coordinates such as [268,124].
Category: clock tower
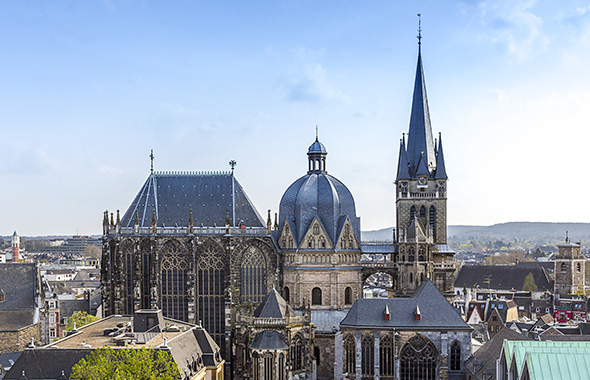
[421,201]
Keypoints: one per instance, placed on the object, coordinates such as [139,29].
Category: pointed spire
[420,133]
[152,161]
[402,164]
[269,223]
[422,167]
[276,226]
[441,172]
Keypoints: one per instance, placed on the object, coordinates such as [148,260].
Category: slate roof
[269,340]
[482,364]
[436,312]
[273,306]
[194,344]
[18,282]
[318,194]
[46,363]
[209,196]
[503,277]
[210,349]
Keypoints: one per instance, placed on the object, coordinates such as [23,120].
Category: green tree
[126,364]
[81,318]
[528,284]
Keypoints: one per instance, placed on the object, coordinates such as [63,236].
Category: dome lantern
[316,157]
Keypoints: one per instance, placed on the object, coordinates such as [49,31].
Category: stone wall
[13,341]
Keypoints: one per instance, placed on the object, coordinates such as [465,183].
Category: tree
[92,251]
[80,318]
[528,284]
[126,364]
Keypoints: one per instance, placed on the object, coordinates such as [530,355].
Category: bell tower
[421,200]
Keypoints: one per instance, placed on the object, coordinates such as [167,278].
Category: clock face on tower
[422,181]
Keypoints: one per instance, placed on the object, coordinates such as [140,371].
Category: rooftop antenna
[152,161]
[419,28]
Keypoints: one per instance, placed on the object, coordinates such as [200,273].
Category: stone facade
[570,270]
[13,341]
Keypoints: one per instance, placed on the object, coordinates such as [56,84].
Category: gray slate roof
[209,196]
[46,363]
[18,282]
[273,306]
[503,277]
[269,340]
[436,312]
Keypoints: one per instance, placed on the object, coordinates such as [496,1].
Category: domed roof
[317,147]
[318,194]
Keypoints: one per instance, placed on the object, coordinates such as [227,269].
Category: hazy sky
[87,88]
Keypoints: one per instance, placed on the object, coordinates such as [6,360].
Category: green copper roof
[549,360]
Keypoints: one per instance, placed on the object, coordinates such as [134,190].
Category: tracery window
[412,212]
[269,366]
[129,275]
[418,359]
[253,276]
[146,270]
[210,294]
[297,353]
[423,214]
[455,357]
[310,243]
[421,254]
[432,220]
[255,365]
[386,357]
[367,355]
[412,255]
[281,366]
[348,295]
[175,265]
[349,354]
[316,296]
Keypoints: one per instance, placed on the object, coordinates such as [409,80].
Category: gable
[315,237]
[286,240]
[347,238]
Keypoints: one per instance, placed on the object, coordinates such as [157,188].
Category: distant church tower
[15,247]
[570,269]
[421,201]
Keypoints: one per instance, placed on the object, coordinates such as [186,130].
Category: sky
[87,89]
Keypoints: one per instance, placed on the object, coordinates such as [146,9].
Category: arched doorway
[418,359]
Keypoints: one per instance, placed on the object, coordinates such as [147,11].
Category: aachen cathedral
[272,293]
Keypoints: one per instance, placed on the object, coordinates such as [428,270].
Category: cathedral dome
[318,194]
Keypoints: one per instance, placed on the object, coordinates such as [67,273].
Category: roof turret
[422,167]
[441,172]
[402,164]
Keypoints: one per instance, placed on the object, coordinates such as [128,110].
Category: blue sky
[88,88]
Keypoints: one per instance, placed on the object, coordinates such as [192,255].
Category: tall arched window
[281,366]
[129,277]
[255,365]
[386,358]
[211,294]
[432,220]
[563,268]
[367,355]
[175,265]
[316,296]
[269,366]
[297,353]
[578,267]
[411,277]
[349,354]
[412,212]
[412,255]
[418,359]
[421,254]
[316,353]
[455,359]
[423,214]
[348,295]
[253,276]
[287,294]
[146,267]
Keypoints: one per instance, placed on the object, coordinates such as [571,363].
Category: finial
[567,239]
[316,133]
[419,28]
[232,165]
[152,161]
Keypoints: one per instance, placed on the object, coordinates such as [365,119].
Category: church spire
[441,172]
[402,164]
[420,133]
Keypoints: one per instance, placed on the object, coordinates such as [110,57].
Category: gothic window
[351,243]
[348,295]
[455,359]
[412,212]
[421,254]
[283,242]
[316,353]
[316,296]
[297,353]
[175,265]
[146,270]
[386,357]
[281,366]
[367,355]
[290,242]
[579,267]
[418,359]
[322,242]
[349,354]
[347,230]
[412,255]
[423,214]
[311,243]
[563,268]
[128,262]
[253,276]
[411,277]
[269,366]
[255,365]
[316,229]
[210,294]
[287,294]
[342,243]
[432,220]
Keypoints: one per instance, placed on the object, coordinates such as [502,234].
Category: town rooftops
[503,277]
[435,312]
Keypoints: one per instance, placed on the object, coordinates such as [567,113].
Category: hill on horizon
[509,230]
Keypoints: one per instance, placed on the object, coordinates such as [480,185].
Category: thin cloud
[313,87]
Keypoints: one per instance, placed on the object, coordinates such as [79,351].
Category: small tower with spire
[15,247]
[421,197]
